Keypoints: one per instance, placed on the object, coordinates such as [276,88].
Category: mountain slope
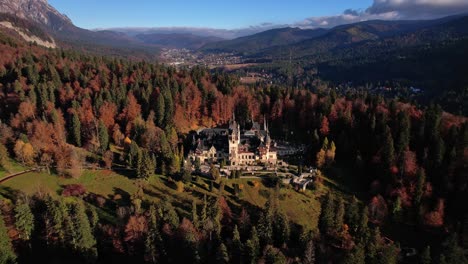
[42,15]
[28,31]
[38,11]
[177,40]
[264,40]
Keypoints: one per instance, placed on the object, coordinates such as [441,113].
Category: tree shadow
[9,193]
[120,197]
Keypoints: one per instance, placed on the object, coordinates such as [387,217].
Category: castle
[236,147]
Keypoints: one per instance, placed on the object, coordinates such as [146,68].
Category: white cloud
[379,10]
[419,9]
[390,10]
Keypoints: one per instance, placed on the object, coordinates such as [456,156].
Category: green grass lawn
[302,208]
[14,167]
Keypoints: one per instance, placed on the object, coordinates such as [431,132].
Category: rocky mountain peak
[38,11]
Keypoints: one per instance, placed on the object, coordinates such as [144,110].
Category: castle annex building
[236,147]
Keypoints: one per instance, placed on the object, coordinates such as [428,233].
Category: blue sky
[241,14]
[226,14]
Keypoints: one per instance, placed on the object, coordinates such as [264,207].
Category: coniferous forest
[400,166]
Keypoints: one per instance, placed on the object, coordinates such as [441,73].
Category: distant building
[236,147]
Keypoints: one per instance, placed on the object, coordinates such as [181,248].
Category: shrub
[76,190]
[180,186]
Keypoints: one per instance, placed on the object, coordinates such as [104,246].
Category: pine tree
[452,251]
[153,242]
[103,137]
[309,253]
[363,229]
[397,209]
[420,187]
[147,165]
[85,243]
[404,133]
[281,229]
[53,217]
[24,219]
[274,256]
[426,256]
[174,166]
[388,151]
[265,228]
[76,130]
[132,155]
[4,158]
[352,215]
[389,255]
[339,214]
[222,254]
[195,214]
[204,210]
[160,111]
[252,247]
[356,256]
[7,255]
[327,215]
[236,246]
[315,139]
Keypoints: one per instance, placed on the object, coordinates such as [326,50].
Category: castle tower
[234,140]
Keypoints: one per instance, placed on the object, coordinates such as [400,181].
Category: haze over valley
[234,132]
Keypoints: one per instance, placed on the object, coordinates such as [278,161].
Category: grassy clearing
[302,208]
[14,167]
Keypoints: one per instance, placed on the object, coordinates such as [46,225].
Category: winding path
[6,178]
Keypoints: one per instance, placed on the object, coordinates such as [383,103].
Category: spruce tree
[404,133]
[24,219]
[265,229]
[339,214]
[222,254]
[147,165]
[363,230]
[7,255]
[420,187]
[153,242]
[236,246]
[252,247]
[195,214]
[103,137]
[4,158]
[352,215]
[426,256]
[204,210]
[327,215]
[85,243]
[76,130]
[309,253]
[281,229]
[388,151]
[452,251]
[356,256]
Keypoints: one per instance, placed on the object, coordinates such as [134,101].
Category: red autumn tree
[435,218]
[107,113]
[410,165]
[130,112]
[325,127]
[377,209]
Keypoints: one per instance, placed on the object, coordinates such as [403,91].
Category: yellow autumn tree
[330,154]
[24,152]
[321,155]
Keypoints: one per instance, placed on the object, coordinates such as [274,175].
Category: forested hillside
[63,110]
